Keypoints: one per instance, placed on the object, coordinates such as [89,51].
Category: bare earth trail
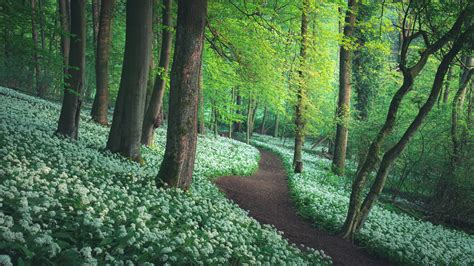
[265,195]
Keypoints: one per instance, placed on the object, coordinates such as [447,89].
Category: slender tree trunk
[277,124]
[262,126]
[250,111]
[64,12]
[201,116]
[156,100]
[215,120]
[447,86]
[238,101]
[358,211]
[343,105]
[456,111]
[68,124]
[178,163]
[34,34]
[254,115]
[100,106]
[96,6]
[299,120]
[125,133]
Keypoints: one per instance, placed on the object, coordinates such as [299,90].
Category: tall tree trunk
[456,111]
[262,126]
[250,111]
[277,125]
[447,86]
[299,120]
[125,133]
[358,211]
[238,101]
[178,163]
[343,104]
[96,6]
[34,34]
[201,116]
[156,100]
[68,124]
[101,100]
[254,116]
[65,14]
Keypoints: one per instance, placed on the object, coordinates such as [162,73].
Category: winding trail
[265,195]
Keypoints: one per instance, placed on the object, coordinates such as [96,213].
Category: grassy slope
[71,202]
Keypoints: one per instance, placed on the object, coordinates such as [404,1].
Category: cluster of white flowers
[64,201]
[324,197]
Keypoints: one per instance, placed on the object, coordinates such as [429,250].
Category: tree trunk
[238,101]
[156,100]
[34,34]
[125,133]
[254,116]
[343,104]
[262,126]
[250,111]
[65,17]
[358,211]
[447,85]
[101,100]
[68,124]
[178,163]
[456,111]
[201,116]
[96,13]
[299,120]
[277,124]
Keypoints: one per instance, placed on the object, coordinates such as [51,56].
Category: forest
[236,132]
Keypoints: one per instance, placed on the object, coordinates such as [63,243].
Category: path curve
[265,195]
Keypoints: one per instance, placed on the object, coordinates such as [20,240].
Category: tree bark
[68,124]
[344,99]
[238,101]
[96,13]
[156,100]
[178,163]
[101,100]
[447,86]
[201,116]
[277,125]
[250,115]
[34,34]
[456,111]
[262,126]
[126,129]
[299,120]
[65,14]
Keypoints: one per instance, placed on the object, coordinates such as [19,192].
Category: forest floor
[267,198]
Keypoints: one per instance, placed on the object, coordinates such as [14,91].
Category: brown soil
[265,195]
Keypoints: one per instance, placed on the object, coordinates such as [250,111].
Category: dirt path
[265,195]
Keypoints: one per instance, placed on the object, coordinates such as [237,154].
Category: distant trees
[178,163]
[150,121]
[68,124]
[126,129]
[101,100]
[344,99]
